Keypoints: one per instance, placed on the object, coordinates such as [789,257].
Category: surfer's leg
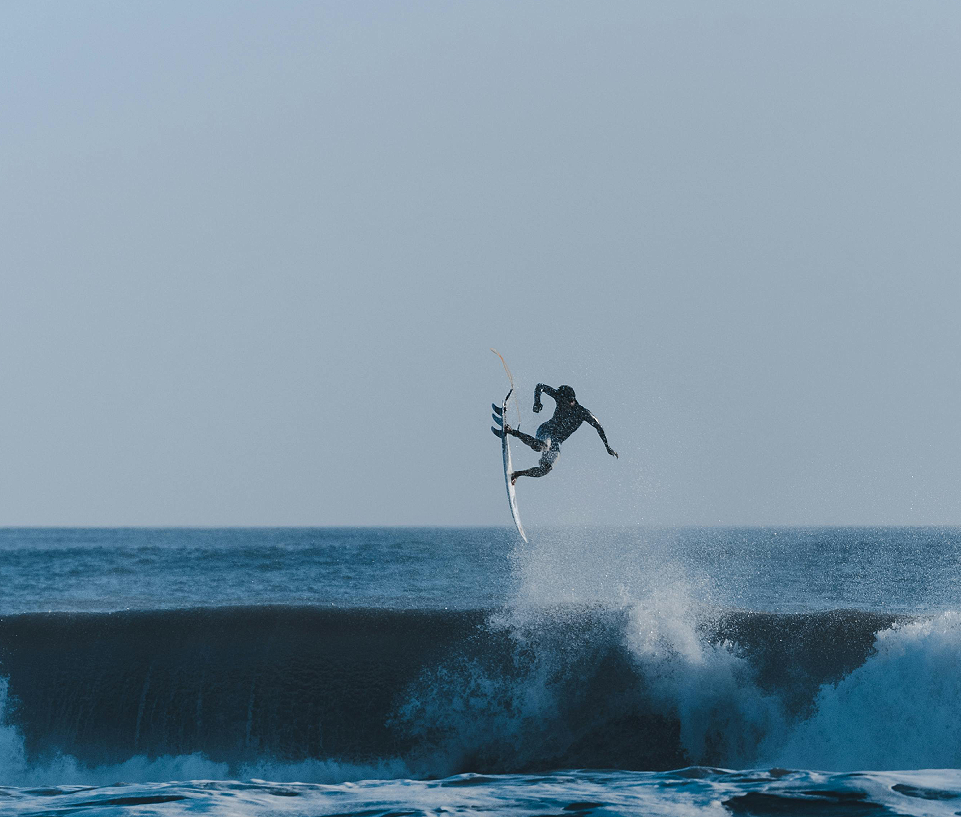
[537,471]
[527,439]
[543,467]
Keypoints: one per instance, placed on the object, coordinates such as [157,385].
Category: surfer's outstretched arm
[543,387]
[590,418]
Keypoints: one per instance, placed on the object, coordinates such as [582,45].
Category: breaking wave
[319,695]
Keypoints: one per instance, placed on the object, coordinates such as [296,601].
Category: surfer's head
[567,394]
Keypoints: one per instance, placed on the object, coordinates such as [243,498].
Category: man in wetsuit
[568,416]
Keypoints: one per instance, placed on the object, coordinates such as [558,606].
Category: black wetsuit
[568,416]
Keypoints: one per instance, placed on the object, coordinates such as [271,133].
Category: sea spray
[537,688]
[600,566]
[704,685]
[601,662]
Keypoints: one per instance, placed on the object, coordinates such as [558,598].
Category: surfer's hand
[537,407]
[612,452]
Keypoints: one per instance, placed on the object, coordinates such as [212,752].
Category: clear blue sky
[254,254]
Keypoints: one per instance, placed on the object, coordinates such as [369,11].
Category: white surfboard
[506,448]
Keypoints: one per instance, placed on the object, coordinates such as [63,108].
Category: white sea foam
[900,709]
[687,793]
[707,687]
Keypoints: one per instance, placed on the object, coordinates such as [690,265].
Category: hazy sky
[254,255]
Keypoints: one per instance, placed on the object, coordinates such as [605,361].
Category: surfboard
[499,415]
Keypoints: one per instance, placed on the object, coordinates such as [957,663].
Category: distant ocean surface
[401,671]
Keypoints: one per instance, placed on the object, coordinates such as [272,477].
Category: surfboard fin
[497,409]
[498,419]
[498,432]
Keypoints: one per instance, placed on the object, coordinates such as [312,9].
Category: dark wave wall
[450,691]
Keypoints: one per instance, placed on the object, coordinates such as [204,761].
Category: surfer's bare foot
[514,478]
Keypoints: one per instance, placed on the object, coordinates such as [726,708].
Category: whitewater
[423,671]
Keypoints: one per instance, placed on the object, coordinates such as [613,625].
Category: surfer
[568,416]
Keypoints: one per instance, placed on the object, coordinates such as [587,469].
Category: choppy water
[389,671]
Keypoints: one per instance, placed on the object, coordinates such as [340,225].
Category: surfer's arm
[590,418]
[542,387]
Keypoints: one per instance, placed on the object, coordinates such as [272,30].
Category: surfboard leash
[517,403]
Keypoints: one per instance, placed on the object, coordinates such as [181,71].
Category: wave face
[434,693]
[234,683]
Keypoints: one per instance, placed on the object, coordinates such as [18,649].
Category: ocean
[406,671]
